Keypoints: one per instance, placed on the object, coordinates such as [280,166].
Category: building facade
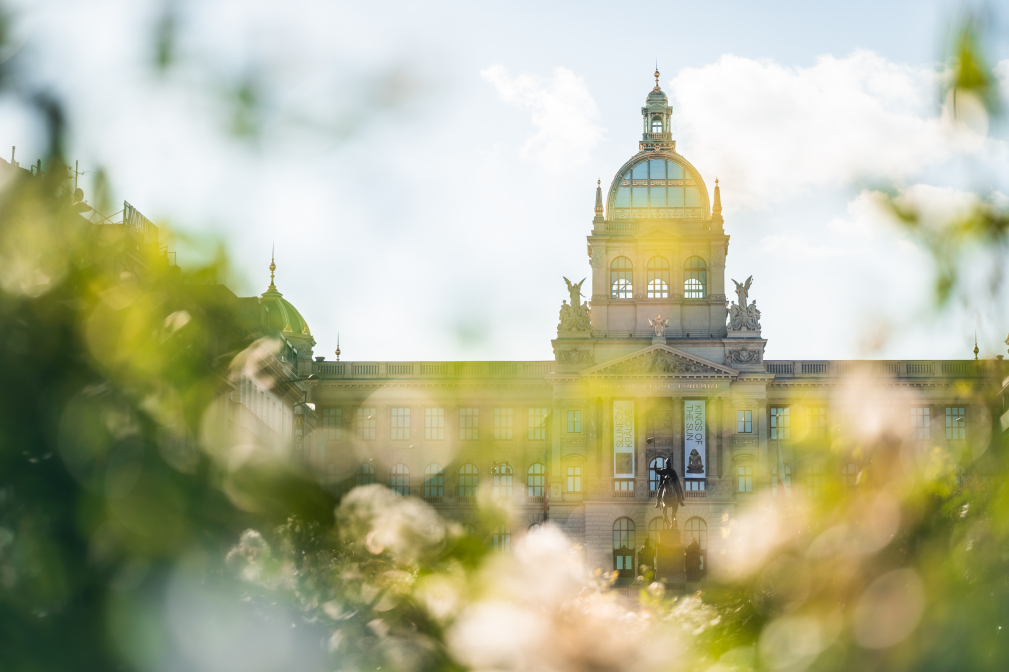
[660,361]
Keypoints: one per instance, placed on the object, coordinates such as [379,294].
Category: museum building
[657,363]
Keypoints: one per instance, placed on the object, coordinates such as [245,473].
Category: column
[725,464]
[678,436]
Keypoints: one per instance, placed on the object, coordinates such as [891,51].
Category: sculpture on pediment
[744,316]
[575,291]
[659,364]
[658,326]
[743,291]
[575,315]
[574,319]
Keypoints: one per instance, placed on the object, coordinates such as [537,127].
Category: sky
[426,170]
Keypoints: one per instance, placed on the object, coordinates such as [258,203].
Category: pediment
[661,360]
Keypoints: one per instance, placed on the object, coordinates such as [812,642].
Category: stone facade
[621,392]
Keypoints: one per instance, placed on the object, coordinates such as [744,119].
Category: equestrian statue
[669,496]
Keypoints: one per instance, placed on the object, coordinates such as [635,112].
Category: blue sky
[427,170]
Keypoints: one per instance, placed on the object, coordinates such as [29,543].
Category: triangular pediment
[661,360]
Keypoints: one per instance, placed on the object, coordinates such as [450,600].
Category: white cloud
[562,110]
[868,213]
[770,131]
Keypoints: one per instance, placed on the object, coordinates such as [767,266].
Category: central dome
[655,185]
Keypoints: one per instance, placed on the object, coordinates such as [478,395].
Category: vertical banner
[623,439]
[694,449]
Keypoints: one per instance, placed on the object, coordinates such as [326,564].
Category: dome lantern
[657,117]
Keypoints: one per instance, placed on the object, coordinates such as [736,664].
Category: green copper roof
[281,315]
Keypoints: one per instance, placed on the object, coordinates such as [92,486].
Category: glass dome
[659,188]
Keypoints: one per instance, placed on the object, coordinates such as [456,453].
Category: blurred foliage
[134,535]
[971,98]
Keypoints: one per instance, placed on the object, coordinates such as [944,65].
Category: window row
[502,479]
[401,424]
[920,422]
[816,476]
[695,278]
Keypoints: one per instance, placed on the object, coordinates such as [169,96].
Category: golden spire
[273,267]
[975,345]
[656,77]
[338,346]
[716,208]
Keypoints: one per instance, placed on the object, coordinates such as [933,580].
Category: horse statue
[669,497]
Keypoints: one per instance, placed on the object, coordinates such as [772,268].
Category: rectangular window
[537,424]
[956,422]
[745,474]
[503,423]
[921,422]
[744,422]
[781,423]
[434,423]
[469,424]
[399,425]
[817,417]
[693,484]
[366,424]
[332,423]
[574,479]
[574,422]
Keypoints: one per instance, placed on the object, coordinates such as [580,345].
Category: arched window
[695,279]
[658,278]
[697,529]
[849,475]
[434,481]
[621,279]
[814,480]
[623,547]
[365,475]
[399,479]
[535,527]
[653,478]
[656,124]
[468,530]
[468,480]
[536,480]
[501,480]
[787,481]
[501,538]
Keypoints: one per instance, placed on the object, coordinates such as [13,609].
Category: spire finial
[656,76]
[975,345]
[273,267]
[599,199]
[338,346]
[716,207]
